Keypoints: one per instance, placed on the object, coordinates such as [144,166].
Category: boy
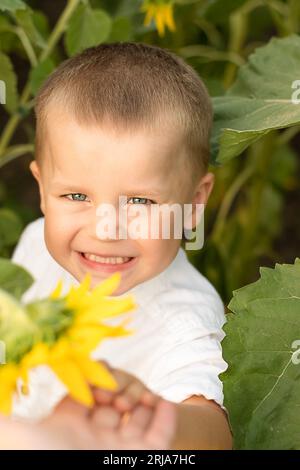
[132,121]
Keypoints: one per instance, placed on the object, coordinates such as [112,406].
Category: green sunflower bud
[51,317]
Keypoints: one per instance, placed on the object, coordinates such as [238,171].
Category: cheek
[157,254]
[168,222]
[60,229]
[159,223]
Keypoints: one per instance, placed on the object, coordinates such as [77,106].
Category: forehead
[70,147]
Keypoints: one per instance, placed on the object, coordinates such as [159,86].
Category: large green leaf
[12,5]
[262,348]
[13,278]
[260,100]
[8,76]
[87,27]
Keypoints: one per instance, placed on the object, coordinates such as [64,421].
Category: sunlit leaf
[260,100]
[262,384]
[12,5]
[87,28]
[13,278]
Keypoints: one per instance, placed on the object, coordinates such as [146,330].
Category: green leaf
[262,383]
[8,39]
[41,23]
[86,28]
[13,278]
[122,30]
[8,76]
[259,101]
[40,73]
[12,5]
[10,228]
[25,19]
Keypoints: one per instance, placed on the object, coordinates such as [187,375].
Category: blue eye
[76,197]
[141,200]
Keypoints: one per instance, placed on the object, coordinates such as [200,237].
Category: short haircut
[132,85]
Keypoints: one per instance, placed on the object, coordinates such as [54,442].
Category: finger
[130,396]
[162,428]
[71,407]
[137,423]
[103,397]
[105,417]
[123,379]
[149,399]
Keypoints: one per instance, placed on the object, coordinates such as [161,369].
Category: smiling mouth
[107,264]
[109,260]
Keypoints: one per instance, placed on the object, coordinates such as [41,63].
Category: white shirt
[175,349]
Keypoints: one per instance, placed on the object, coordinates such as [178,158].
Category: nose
[107,223]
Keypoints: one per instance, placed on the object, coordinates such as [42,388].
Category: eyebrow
[143,191]
[131,192]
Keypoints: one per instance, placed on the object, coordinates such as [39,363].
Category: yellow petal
[107,308]
[169,19]
[73,378]
[5,403]
[37,356]
[56,293]
[159,19]
[60,350]
[8,377]
[150,10]
[88,337]
[77,296]
[96,374]
[97,315]
[108,286]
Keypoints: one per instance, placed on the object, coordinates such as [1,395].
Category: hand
[131,417]
[131,391]
[76,427]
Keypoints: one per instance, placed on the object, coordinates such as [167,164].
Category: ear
[34,168]
[201,195]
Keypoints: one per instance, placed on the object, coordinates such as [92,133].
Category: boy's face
[83,167]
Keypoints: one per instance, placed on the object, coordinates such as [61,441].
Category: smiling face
[82,167]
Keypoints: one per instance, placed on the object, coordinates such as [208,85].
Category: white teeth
[108,260]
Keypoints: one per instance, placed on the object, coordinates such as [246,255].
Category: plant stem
[27,45]
[238,30]
[15,152]
[59,28]
[228,200]
[52,41]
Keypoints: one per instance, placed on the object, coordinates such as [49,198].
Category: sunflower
[69,354]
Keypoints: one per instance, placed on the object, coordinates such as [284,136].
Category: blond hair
[132,85]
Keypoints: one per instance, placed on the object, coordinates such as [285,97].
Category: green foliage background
[247,52]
